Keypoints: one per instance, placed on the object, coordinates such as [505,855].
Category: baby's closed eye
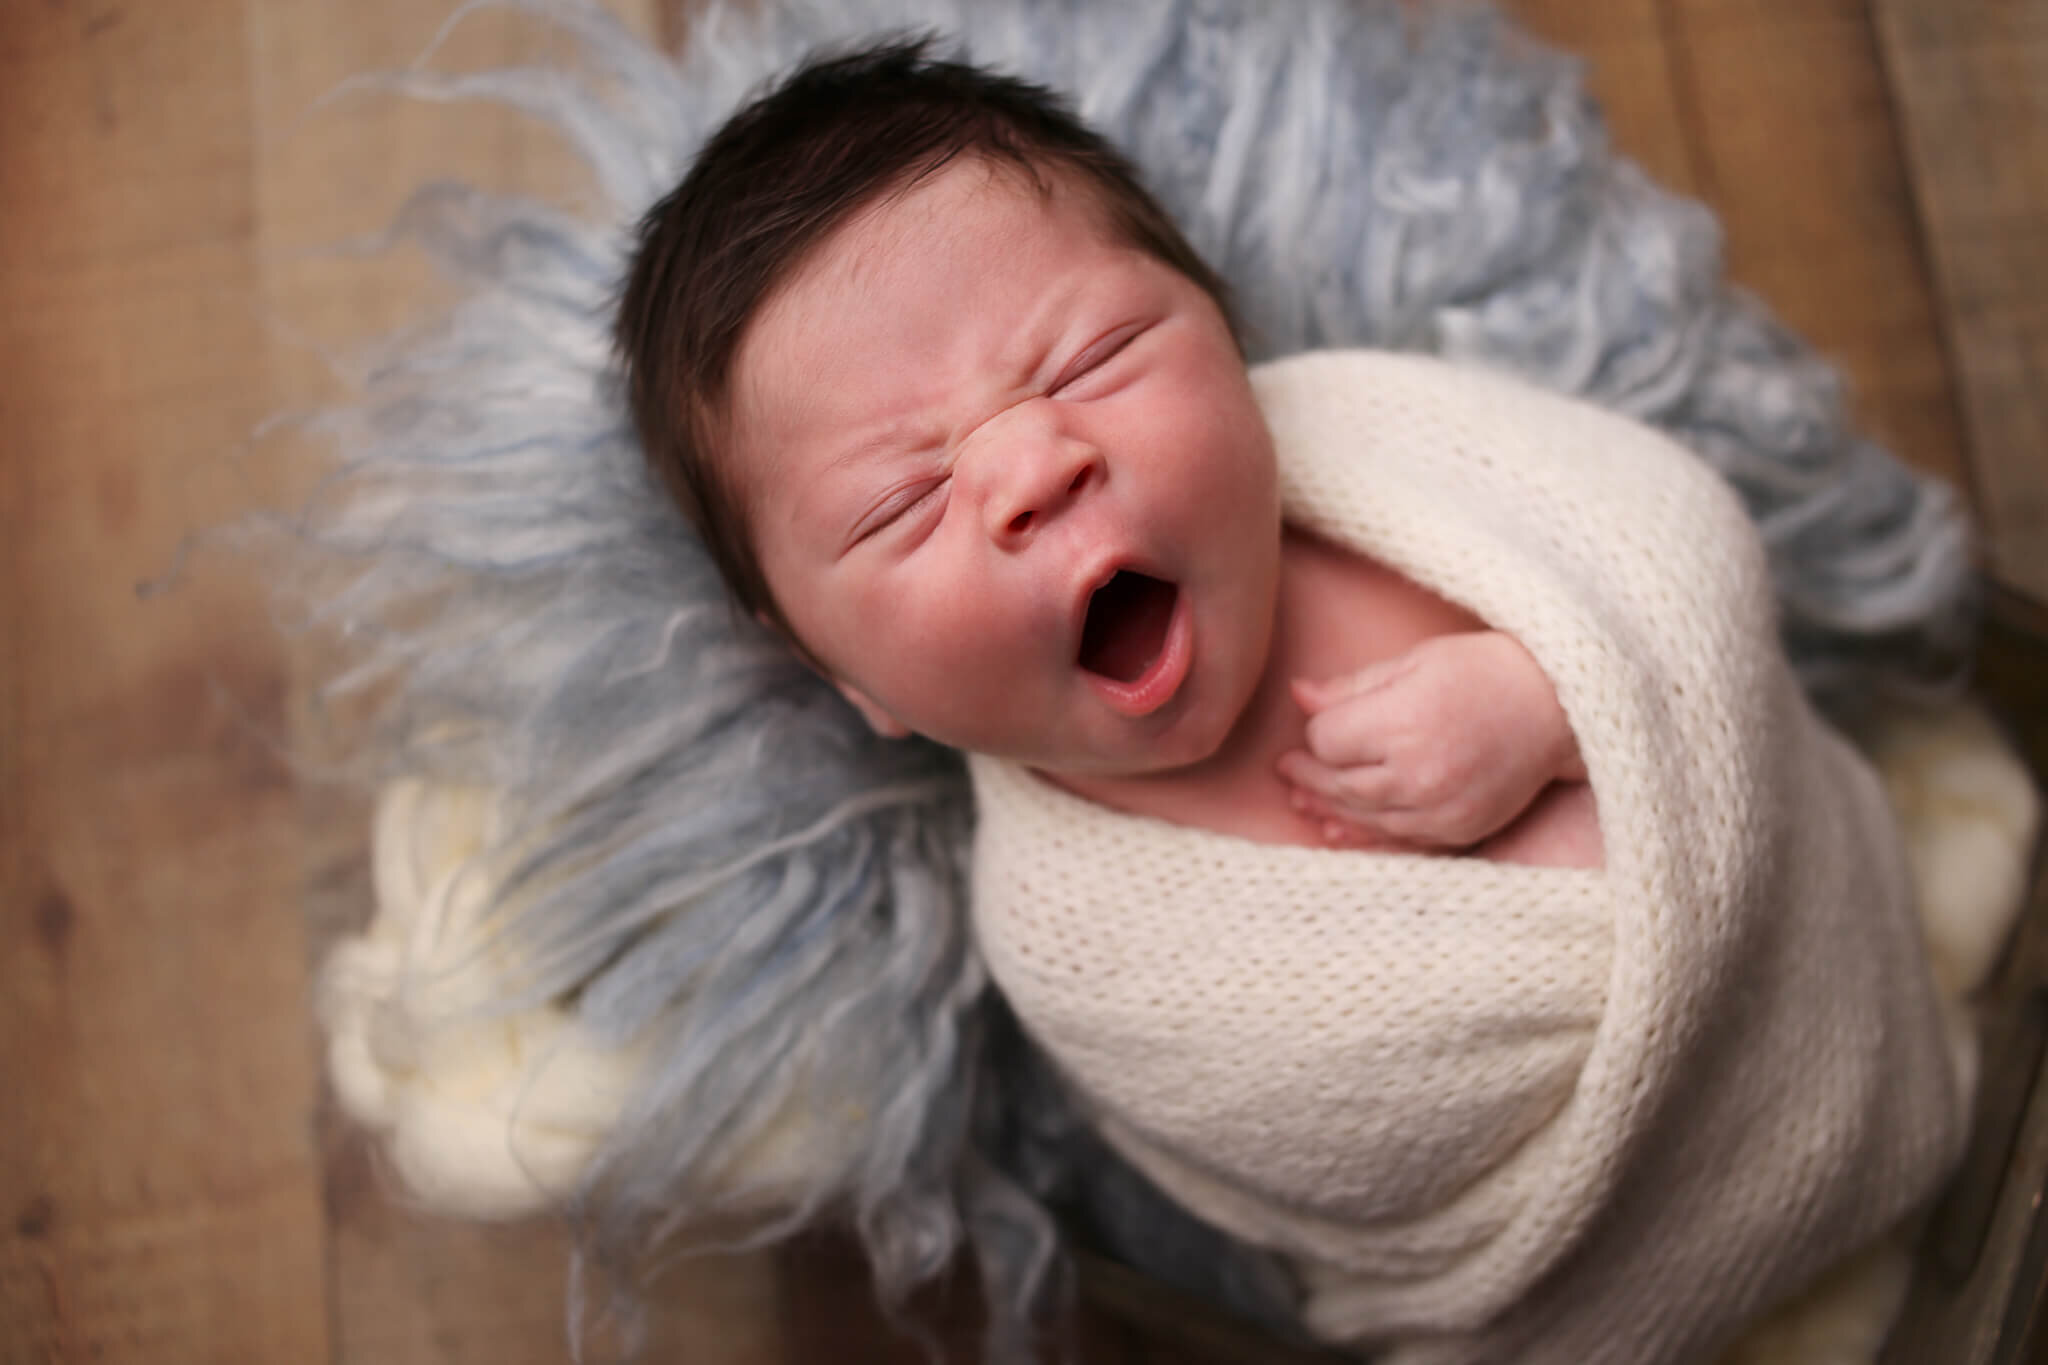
[900,505]
[1071,383]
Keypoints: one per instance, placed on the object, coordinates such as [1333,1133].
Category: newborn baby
[1241,658]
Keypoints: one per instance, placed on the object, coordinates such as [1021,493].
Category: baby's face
[1007,481]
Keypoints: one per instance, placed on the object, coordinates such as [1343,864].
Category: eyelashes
[896,507]
[1094,358]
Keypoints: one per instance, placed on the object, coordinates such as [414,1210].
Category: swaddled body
[1505,1112]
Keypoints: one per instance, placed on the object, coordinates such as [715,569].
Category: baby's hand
[1440,746]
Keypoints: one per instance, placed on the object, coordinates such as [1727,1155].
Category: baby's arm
[1440,746]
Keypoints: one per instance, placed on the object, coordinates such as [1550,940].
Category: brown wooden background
[171,1189]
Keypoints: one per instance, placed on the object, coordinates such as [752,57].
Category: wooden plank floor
[172,1188]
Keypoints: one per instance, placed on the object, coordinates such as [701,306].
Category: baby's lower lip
[1159,683]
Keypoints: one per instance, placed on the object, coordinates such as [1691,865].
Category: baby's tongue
[1126,627]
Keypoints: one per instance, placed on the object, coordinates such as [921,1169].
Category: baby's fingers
[1363,732]
[1339,828]
[1356,792]
[1314,695]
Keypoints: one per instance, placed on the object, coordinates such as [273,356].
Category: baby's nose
[1018,517]
[1035,472]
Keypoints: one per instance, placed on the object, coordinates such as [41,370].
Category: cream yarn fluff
[1495,1112]
[486,1112]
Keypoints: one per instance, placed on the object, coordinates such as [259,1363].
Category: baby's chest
[1341,612]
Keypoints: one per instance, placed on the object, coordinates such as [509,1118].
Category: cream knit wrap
[1504,1113]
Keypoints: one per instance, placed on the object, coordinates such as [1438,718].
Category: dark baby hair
[774,182]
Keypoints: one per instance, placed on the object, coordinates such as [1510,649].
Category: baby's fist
[1440,746]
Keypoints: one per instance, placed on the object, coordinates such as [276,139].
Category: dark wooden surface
[171,1186]
[1970,79]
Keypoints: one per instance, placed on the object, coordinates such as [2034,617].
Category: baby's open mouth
[1128,618]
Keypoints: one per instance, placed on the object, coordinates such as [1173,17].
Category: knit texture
[1501,1112]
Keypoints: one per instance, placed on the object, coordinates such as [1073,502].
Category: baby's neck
[1335,613]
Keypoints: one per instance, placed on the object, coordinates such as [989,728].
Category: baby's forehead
[1018,193]
[878,254]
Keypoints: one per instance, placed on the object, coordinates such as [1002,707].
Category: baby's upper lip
[1104,569]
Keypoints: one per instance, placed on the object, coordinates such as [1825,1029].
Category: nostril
[1081,477]
[1020,523]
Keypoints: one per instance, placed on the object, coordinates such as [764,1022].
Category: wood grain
[1776,114]
[157,1180]
[1970,78]
[1630,66]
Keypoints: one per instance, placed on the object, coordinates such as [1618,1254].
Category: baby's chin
[1182,744]
[1201,725]
[1116,768]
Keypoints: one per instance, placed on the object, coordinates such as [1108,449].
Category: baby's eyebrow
[903,435]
